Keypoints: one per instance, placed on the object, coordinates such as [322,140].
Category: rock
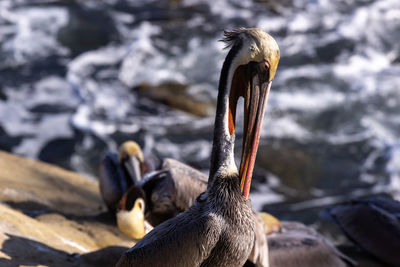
[3,95]
[176,96]
[7,142]
[53,217]
[59,151]
[315,164]
[83,33]
[328,52]
[276,7]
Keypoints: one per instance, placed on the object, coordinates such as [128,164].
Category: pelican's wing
[185,240]
[172,190]
[181,169]
[150,176]
[112,181]
[259,254]
[188,183]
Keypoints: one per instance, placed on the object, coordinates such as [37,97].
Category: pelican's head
[130,215]
[131,158]
[255,46]
[252,62]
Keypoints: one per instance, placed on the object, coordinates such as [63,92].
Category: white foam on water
[144,63]
[307,101]
[264,195]
[36,27]
[49,128]
[393,169]
[271,24]
[283,127]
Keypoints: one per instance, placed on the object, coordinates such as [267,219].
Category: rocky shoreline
[53,217]
[50,216]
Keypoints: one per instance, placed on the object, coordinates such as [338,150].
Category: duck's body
[373,224]
[218,230]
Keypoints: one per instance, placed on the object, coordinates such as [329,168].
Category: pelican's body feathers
[207,230]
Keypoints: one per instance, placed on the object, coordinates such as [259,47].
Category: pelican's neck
[222,156]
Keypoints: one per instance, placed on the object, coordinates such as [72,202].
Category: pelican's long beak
[133,166]
[130,156]
[254,107]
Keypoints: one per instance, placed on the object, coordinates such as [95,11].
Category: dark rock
[8,142]
[87,29]
[275,6]
[58,150]
[335,169]
[3,96]
[50,109]
[297,59]
[33,71]
[330,51]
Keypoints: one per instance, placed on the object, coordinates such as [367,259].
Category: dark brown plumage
[166,192]
[118,172]
[171,190]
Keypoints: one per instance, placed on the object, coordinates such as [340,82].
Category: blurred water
[67,70]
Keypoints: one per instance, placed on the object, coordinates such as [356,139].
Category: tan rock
[24,180]
[176,96]
[53,217]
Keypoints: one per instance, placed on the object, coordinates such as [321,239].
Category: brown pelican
[291,243]
[171,190]
[159,196]
[118,172]
[218,229]
[130,214]
[373,224]
[165,192]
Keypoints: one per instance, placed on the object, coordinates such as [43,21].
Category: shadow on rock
[34,209]
[24,251]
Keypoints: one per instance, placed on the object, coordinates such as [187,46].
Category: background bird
[373,224]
